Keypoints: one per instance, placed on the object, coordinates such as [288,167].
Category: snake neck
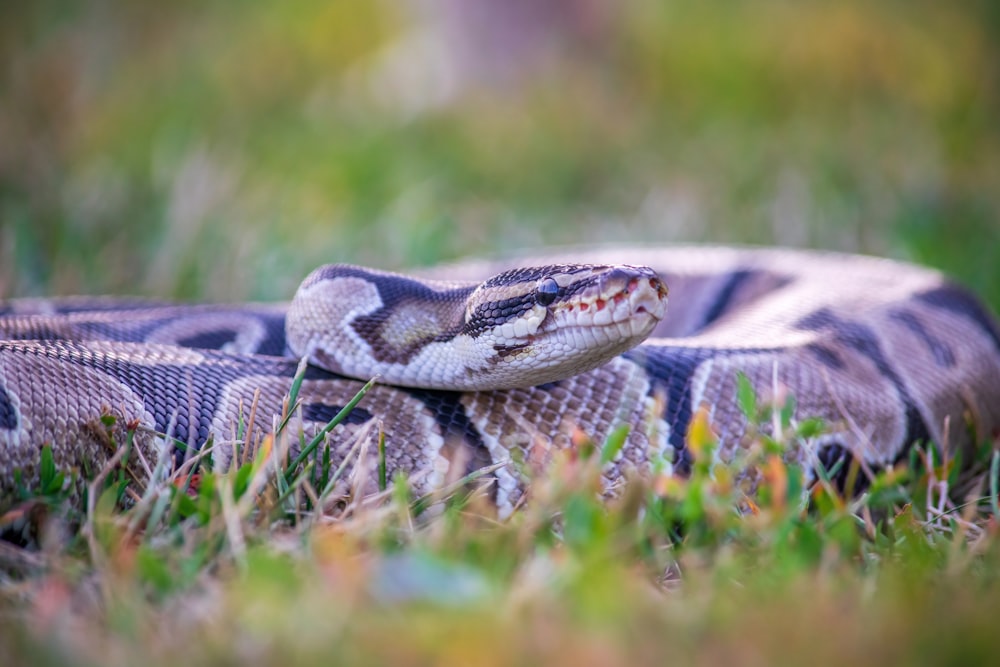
[361,322]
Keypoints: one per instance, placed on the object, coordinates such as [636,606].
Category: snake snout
[641,287]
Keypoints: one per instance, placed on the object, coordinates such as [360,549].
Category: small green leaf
[746,396]
[184,505]
[796,484]
[995,484]
[153,570]
[581,521]
[55,484]
[207,497]
[381,461]
[47,468]
[787,411]
[810,428]
[614,443]
[242,479]
[325,468]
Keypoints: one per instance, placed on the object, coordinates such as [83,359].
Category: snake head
[547,323]
[517,329]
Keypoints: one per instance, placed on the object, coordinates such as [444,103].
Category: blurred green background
[220,150]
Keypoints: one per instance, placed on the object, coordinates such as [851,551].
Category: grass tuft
[274,558]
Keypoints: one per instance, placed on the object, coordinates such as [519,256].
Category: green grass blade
[332,424]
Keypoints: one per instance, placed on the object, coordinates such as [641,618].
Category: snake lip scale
[489,361]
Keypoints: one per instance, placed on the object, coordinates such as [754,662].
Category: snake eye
[546,292]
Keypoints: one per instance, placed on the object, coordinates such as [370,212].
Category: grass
[223,152]
[265,562]
[215,151]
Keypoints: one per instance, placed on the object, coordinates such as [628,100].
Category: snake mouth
[620,297]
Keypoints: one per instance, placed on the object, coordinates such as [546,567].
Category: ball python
[888,354]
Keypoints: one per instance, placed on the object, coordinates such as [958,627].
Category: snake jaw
[526,326]
[619,297]
[635,296]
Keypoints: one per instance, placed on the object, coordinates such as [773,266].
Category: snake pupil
[546,292]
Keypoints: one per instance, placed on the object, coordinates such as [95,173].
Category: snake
[500,364]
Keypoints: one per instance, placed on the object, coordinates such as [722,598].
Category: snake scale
[888,354]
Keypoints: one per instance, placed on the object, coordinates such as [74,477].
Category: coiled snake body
[888,354]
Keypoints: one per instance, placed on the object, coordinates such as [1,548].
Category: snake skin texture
[888,354]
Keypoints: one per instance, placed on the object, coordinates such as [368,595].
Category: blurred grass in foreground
[214,150]
[255,566]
